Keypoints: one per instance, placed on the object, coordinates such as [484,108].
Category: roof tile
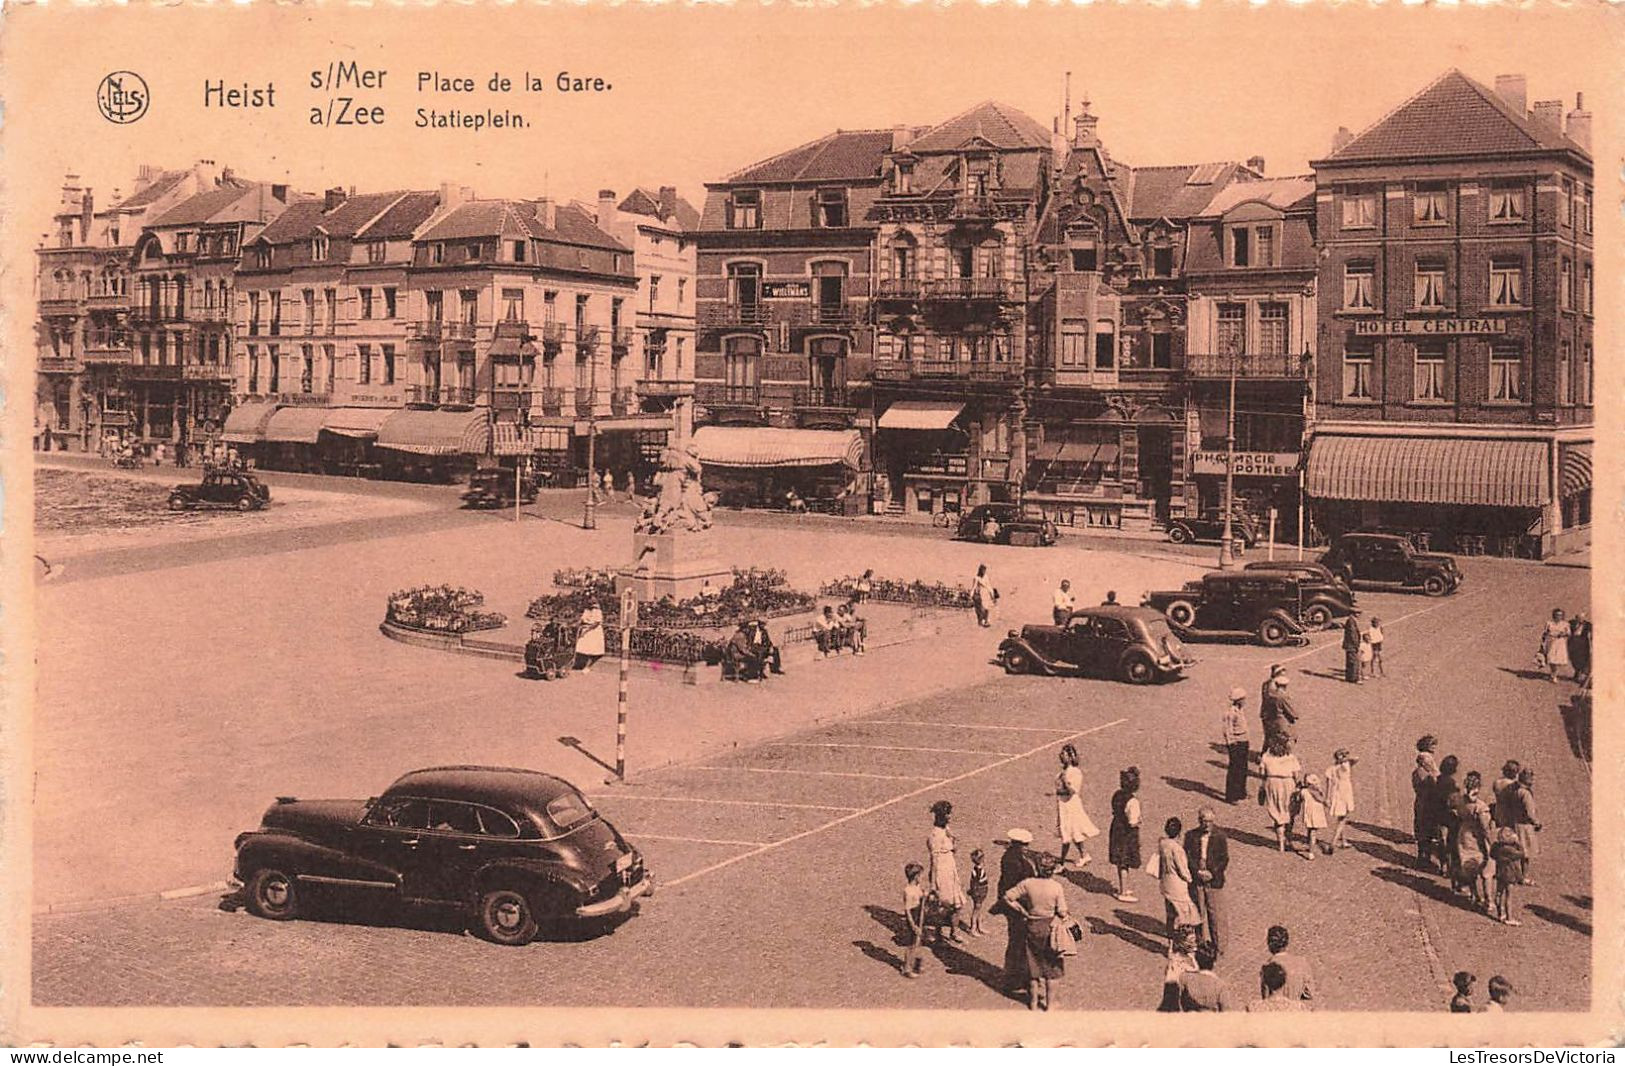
[1454,115]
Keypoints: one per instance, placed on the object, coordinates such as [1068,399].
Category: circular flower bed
[914,593]
[441,609]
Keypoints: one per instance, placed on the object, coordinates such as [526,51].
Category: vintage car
[493,486]
[1013,523]
[221,488]
[1236,605]
[1209,525]
[1131,644]
[1326,595]
[1387,560]
[514,850]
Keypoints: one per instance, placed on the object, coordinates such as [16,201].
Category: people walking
[1174,878]
[1339,796]
[1580,647]
[1525,819]
[1374,631]
[590,637]
[983,595]
[1282,718]
[1300,975]
[1233,734]
[1554,644]
[1040,901]
[1065,603]
[1123,841]
[1282,771]
[1509,860]
[944,872]
[914,912]
[1208,853]
[1422,779]
[1351,650]
[1500,802]
[1015,865]
[1072,821]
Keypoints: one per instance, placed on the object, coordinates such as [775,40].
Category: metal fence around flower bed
[754,592]
[913,593]
[441,609]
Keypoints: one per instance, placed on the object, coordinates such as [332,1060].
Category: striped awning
[509,439]
[765,447]
[1574,469]
[357,421]
[246,423]
[919,414]
[436,432]
[296,425]
[1474,471]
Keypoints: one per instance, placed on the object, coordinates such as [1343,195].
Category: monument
[672,550]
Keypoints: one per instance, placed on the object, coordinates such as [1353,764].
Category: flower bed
[441,609]
[915,593]
[754,592]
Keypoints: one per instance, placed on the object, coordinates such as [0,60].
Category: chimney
[145,175]
[1084,135]
[1550,112]
[547,212]
[205,174]
[1256,165]
[71,191]
[87,212]
[1579,127]
[899,137]
[454,196]
[1341,139]
[334,196]
[227,177]
[1514,90]
[279,193]
[606,208]
[668,202]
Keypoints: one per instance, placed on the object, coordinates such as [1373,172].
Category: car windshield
[569,809]
[1163,637]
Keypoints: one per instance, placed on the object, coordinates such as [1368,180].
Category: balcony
[586,340]
[429,331]
[822,397]
[212,314]
[59,306]
[458,331]
[509,329]
[59,364]
[947,369]
[620,338]
[969,289]
[208,372]
[108,355]
[584,402]
[664,389]
[458,396]
[553,333]
[972,208]
[754,316]
[108,301]
[425,395]
[835,316]
[900,289]
[508,400]
[552,402]
[1282,366]
[716,394]
[621,401]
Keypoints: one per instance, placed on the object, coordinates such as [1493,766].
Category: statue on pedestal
[680,503]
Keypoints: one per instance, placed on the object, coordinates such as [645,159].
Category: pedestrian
[1181,961]
[983,595]
[1446,796]
[1300,975]
[1065,603]
[1351,650]
[1040,901]
[1500,995]
[866,586]
[1580,647]
[1202,989]
[1208,853]
[977,891]
[1462,1001]
[945,884]
[1110,600]
[914,912]
[1375,633]
[1015,865]
[1282,773]
[1072,822]
[609,485]
[1501,801]
[1286,712]
[1268,709]
[1554,644]
[1339,796]
[1367,656]
[1473,840]
[1310,803]
[1271,994]
[1509,871]
[1237,745]
[1123,841]
[158,454]
[590,637]
[1422,779]
[1174,878]
[1527,821]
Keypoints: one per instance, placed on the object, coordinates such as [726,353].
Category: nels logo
[123,96]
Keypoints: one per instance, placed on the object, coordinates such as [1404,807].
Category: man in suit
[1209,854]
[1015,866]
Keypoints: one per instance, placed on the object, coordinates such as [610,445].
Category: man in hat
[1286,715]
[762,646]
[1266,701]
[1237,746]
[1015,866]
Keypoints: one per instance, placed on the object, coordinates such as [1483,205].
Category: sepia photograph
[861,525]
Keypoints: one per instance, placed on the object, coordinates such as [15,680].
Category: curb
[107,903]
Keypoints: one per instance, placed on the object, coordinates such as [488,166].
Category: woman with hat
[1015,866]
[1339,796]
[1237,745]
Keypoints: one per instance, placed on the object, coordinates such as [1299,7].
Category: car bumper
[620,902]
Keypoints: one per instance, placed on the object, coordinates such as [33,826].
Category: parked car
[1387,560]
[1015,524]
[514,850]
[1209,525]
[1132,644]
[1236,605]
[1303,567]
[221,488]
[493,486]
[1326,596]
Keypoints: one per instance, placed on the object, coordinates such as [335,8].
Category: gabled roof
[402,219]
[1454,115]
[1000,125]
[196,210]
[161,186]
[1176,192]
[495,218]
[641,201]
[845,155]
[302,219]
[1280,193]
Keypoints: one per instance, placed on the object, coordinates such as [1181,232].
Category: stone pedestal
[672,564]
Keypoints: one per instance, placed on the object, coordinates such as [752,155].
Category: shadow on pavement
[1527,675]
[1099,926]
[955,960]
[1437,891]
[1090,882]
[1185,784]
[1384,853]
[1583,902]
[1577,726]
[1388,833]
[337,907]
[1242,836]
[1567,921]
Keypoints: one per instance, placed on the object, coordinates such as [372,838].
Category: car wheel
[1435,585]
[1181,612]
[273,894]
[245,502]
[177,503]
[1179,535]
[1138,669]
[1317,615]
[1017,661]
[1272,632]
[506,917]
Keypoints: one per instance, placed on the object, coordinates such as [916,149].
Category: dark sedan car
[221,488]
[1006,523]
[1209,525]
[1132,644]
[514,850]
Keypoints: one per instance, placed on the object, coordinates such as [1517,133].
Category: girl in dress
[944,878]
[1123,843]
[1311,803]
[1554,644]
[1339,796]
[1367,654]
[1072,822]
[1282,772]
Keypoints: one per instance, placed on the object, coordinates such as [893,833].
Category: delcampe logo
[123,96]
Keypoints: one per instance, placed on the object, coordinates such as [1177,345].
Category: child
[1500,994]
[1375,635]
[1339,796]
[1311,803]
[1509,868]
[914,911]
[1462,1001]
[977,891]
[1367,655]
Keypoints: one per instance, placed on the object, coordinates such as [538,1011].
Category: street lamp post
[589,517]
[1227,545]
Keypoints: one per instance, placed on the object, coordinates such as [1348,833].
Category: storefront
[245,427]
[545,450]
[923,458]
[292,438]
[347,440]
[760,466]
[433,445]
[1075,476]
[1264,482]
[625,445]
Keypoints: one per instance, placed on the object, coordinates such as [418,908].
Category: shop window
[1428,385]
[1506,282]
[1358,364]
[1358,286]
[1430,286]
[1506,372]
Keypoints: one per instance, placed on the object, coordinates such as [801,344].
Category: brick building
[1456,298]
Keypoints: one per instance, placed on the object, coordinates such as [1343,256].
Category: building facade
[1456,299]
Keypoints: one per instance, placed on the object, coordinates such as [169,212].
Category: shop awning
[920,414]
[766,448]
[296,425]
[1574,469]
[1048,452]
[357,421]
[1106,455]
[1490,473]
[509,439]
[436,432]
[246,423]
[630,423]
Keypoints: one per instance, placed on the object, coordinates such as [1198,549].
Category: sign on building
[1385,327]
[1248,464]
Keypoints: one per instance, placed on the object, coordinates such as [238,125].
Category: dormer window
[262,257]
[437,253]
[1085,259]
[903,180]
[745,209]
[318,247]
[377,251]
[518,251]
[1162,261]
[183,242]
[829,209]
[472,251]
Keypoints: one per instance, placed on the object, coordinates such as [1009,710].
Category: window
[308,297]
[1584,395]
[435,303]
[437,253]
[550,303]
[1565,283]
[1264,240]
[682,345]
[742,363]
[1358,361]
[581,316]
[1506,203]
[363,354]
[366,303]
[1565,379]
[253,313]
[1075,343]
[471,251]
[262,257]
[1588,291]
[518,251]
[829,209]
[615,315]
[1162,351]
[330,301]
[1359,210]
[1084,259]
[307,368]
[682,292]
[745,209]
[377,251]
[654,293]
[468,306]
[183,242]
[1241,247]
[1585,209]
[276,312]
[1506,282]
[276,369]
[1358,286]
[513,305]
[389,363]
[1430,206]
[318,247]
[1272,329]
[1428,385]
[1565,202]
[1162,262]
[1506,372]
[253,369]
[1105,345]
[744,284]
[389,302]
[905,178]
[1430,286]
[1232,336]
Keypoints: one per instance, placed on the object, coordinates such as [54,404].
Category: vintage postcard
[849,523]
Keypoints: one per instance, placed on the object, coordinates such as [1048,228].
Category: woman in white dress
[590,637]
[945,882]
[1554,643]
[1339,796]
[983,595]
[1282,774]
[1072,821]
